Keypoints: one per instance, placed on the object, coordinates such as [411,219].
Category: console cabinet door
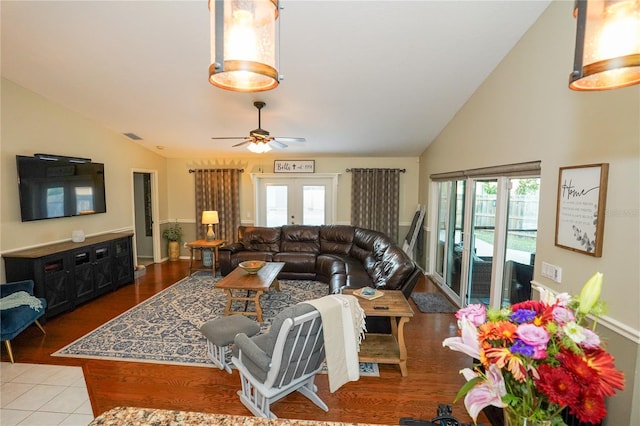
[58,284]
[122,261]
[102,268]
[83,275]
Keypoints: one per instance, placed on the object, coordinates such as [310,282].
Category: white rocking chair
[284,360]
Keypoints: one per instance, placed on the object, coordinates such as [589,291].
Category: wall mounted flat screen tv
[53,186]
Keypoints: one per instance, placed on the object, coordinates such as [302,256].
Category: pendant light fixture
[607,54]
[244,43]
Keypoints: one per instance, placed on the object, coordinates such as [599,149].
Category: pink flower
[484,393]
[563,315]
[591,339]
[476,313]
[535,336]
[467,343]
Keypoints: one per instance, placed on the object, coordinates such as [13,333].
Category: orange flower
[502,357]
[502,332]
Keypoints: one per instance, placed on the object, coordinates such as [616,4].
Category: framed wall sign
[582,195]
[294,166]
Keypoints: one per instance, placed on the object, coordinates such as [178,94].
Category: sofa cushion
[300,238]
[259,238]
[330,264]
[393,270]
[358,279]
[297,261]
[336,239]
[368,242]
[266,256]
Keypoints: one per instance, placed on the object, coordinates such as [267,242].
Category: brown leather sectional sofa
[341,255]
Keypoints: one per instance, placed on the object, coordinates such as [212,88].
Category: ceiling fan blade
[278,144]
[243,143]
[279,139]
[231,137]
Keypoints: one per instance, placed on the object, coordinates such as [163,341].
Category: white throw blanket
[343,327]
[20,298]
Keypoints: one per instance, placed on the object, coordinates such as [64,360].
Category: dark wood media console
[68,274]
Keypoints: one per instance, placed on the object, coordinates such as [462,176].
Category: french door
[295,200]
[486,236]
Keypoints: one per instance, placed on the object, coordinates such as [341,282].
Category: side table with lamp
[208,246]
[204,245]
[209,218]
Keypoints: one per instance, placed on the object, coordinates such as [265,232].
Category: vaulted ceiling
[361,78]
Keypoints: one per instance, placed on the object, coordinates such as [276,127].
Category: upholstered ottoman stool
[220,332]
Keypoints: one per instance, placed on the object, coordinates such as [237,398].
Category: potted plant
[173,233]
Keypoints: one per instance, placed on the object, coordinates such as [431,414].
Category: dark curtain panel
[218,189]
[375,200]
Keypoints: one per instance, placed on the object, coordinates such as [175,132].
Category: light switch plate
[552,272]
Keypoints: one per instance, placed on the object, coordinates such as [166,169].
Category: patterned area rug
[164,329]
[433,303]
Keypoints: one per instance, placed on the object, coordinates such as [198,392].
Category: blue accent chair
[14,320]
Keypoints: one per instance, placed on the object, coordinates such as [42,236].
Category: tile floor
[43,395]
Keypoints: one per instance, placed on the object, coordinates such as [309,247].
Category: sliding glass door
[484,247]
[520,247]
[450,236]
[482,240]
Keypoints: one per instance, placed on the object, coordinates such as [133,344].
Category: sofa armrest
[10,288]
[411,282]
[233,248]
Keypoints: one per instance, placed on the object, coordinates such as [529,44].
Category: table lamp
[210,218]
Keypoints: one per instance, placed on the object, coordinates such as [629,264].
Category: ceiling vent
[133,136]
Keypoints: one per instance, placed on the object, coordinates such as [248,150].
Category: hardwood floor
[433,370]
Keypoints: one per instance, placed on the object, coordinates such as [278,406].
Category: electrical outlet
[552,272]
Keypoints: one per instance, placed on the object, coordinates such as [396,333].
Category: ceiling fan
[260,140]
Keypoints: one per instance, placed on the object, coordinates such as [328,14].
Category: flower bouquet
[537,358]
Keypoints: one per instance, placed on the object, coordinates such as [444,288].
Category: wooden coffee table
[241,281]
[386,348]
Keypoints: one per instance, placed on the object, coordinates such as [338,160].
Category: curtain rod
[401,170]
[193,171]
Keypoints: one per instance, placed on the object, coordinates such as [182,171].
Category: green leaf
[467,387]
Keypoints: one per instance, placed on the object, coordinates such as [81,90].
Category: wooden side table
[204,245]
[386,348]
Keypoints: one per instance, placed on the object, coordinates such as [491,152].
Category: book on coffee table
[368,293]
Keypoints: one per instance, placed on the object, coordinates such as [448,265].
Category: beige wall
[524,112]
[31,124]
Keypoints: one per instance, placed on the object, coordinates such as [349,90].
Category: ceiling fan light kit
[258,147]
[259,140]
[244,44]
[607,54]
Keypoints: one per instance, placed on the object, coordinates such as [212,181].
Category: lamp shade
[607,54]
[209,217]
[244,40]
